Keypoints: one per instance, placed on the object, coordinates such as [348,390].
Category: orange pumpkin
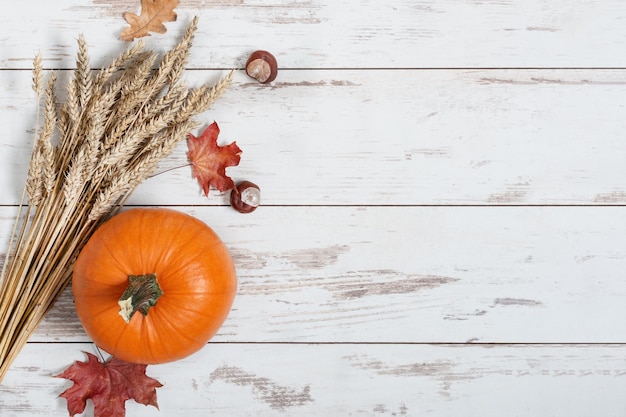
[153,285]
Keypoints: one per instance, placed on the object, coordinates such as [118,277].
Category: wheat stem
[114,128]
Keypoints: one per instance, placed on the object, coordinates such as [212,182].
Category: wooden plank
[451,137]
[415,274]
[396,266]
[335,379]
[347,34]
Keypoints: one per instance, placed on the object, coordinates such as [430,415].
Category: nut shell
[246,197]
[262,66]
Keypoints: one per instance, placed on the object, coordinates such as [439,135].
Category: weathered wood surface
[449,137]
[365,380]
[346,34]
[416,274]
[443,229]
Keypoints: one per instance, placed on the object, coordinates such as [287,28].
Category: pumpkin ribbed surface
[192,267]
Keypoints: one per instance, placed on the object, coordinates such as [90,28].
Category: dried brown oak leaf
[153,14]
[209,161]
[108,384]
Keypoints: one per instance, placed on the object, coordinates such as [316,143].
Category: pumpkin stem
[141,294]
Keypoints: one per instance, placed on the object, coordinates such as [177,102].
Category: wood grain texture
[442,227]
[489,137]
[336,379]
[347,34]
[415,274]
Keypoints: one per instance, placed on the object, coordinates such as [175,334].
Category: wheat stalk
[90,153]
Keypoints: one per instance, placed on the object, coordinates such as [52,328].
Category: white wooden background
[443,229]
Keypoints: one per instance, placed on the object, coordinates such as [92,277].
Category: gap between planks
[391,343]
[460,69]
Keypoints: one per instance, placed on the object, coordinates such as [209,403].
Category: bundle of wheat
[88,156]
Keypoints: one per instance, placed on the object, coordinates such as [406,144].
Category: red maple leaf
[209,160]
[108,384]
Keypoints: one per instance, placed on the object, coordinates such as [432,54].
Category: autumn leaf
[108,384]
[209,161]
[153,14]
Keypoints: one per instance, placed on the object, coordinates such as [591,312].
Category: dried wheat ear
[88,156]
